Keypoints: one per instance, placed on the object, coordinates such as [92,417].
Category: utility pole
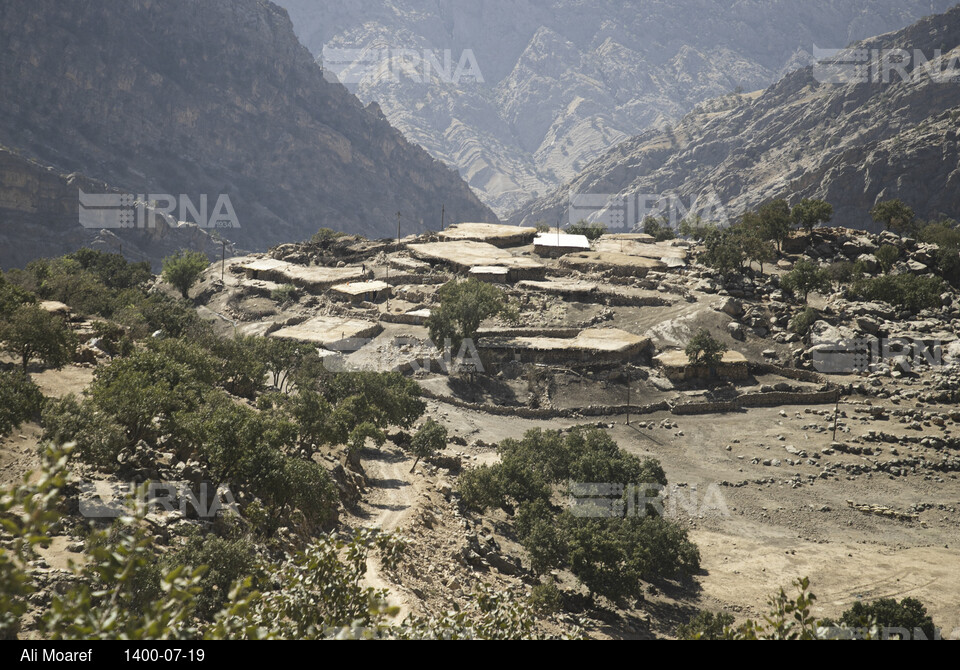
[223,256]
[628,396]
[398,228]
[836,416]
[443,216]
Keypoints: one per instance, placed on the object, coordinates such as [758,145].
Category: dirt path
[388,506]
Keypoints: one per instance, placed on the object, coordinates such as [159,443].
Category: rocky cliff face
[851,144]
[565,80]
[39,214]
[215,97]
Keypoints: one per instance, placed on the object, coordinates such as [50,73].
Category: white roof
[562,240]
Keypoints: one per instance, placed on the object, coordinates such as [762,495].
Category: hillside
[565,80]
[215,98]
[850,144]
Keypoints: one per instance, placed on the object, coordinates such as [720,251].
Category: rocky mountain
[39,214]
[546,86]
[214,98]
[850,136]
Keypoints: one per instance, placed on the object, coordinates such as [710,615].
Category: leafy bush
[659,228]
[65,280]
[886,256]
[802,322]
[707,626]
[909,291]
[284,294]
[694,228]
[366,403]
[843,272]
[146,391]
[98,438]
[546,598]
[227,561]
[723,251]
[326,235]
[591,230]
[480,488]
[12,297]
[945,234]
[242,370]
[112,270]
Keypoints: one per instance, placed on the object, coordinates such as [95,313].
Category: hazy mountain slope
[850,144]
[213,97]
[565,80]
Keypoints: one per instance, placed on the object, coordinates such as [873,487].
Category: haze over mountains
[850,144]
[565,80]
[182,97]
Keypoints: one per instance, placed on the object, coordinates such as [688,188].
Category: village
[782,461]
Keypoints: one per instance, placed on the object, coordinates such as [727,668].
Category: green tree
[694,227]
[33,333]
[808,214]
[703,349]
[894,215]
[723,251]
[756,248]
[12,297]
[775,218]
[428,440]
[948,264]
[144,392]
[909,614]
[464,305]
[242,370]
[366,403]
[804,278]
[183,269]
[610,555]
[112,270]
[659,228]
[20,400]
[284,359]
